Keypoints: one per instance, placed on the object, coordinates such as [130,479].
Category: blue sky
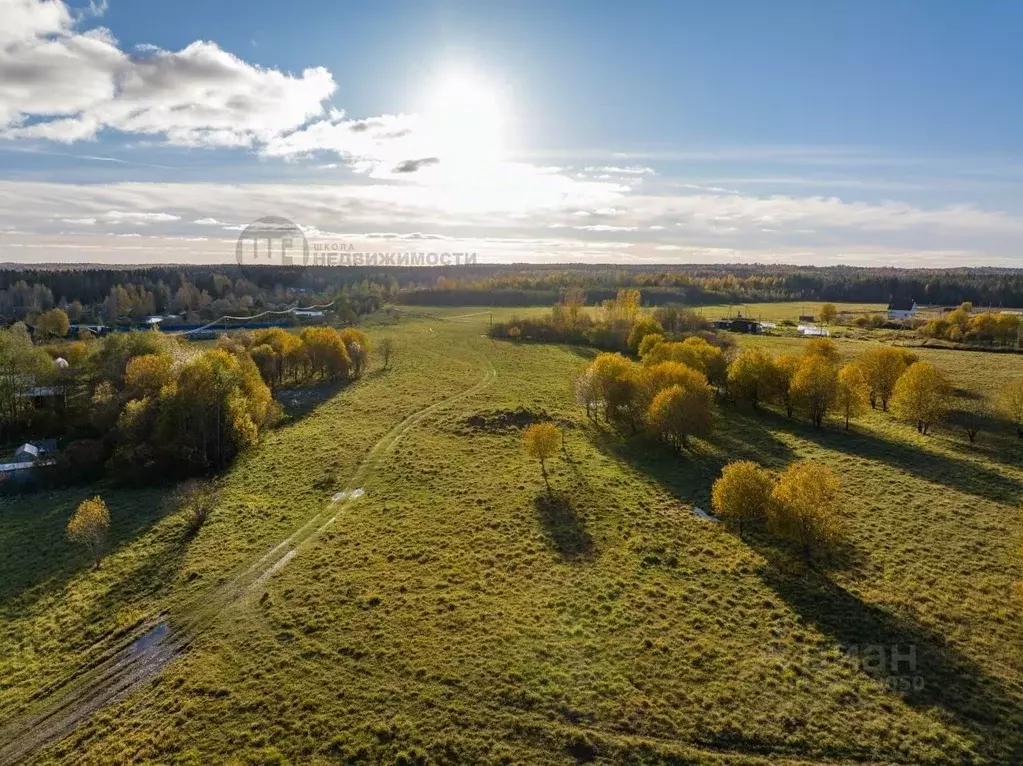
[883,133]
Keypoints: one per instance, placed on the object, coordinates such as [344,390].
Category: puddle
[704,515]
[153,637]
[343,495]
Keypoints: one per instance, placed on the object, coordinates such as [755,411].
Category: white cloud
[629,170]
[529,216]
[605,227]
[118,216]
[62,84]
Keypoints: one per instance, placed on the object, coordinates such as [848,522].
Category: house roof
[901,304]
[37,448]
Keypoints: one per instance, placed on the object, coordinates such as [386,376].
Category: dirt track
[59,709]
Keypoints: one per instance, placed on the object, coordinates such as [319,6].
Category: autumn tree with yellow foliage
[815,386]
[751,377]
[852,393]
[805,507]
[882,368]
[541,442]
[921,396]
[742,493]
[89,526]
[682,410]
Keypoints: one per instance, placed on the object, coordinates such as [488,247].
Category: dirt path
[60,708]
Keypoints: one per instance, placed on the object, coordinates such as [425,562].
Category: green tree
[89,526]
[828,313]
[643,327]
[649,342]
[53,324]
[387,351]
[357,344]
[970,413]
[22,366]
[742,493]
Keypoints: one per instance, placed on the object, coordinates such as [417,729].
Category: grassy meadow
[456,614]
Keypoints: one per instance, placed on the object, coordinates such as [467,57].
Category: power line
[268,312]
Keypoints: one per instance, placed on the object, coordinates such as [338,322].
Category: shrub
[195,500]
[805,507]
[742,493]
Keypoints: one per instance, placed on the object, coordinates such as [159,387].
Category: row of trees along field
[670,393]
[619,325]
[963,325]
[148,404]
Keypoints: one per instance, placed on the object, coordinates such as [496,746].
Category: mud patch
[498,421]
[355,493]
[700,513]
[151,638]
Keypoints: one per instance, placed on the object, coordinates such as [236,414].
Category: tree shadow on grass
[36,559]
[995,441]
[298,403]
[961,475]
[157,571]
[928,671]
[562,526]
[738,436]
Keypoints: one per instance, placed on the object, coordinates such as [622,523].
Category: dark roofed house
[739,324]
[901,308]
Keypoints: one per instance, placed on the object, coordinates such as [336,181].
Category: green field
[451,614]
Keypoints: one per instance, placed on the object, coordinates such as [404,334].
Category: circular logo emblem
[270,239]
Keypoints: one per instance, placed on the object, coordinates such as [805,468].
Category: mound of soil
[495,421]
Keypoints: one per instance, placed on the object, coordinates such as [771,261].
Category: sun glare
[464,118]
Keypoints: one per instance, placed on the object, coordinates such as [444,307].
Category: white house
[901,308]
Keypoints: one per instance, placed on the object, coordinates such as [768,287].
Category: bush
[742,493]
[195,500]
[804,510]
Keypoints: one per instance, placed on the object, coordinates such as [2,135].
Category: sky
[864,133]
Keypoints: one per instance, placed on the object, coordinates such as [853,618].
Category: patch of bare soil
[497,421]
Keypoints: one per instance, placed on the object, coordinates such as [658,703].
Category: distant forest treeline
[105,294]
[703,284]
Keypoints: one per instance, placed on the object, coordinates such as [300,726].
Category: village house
[901,308]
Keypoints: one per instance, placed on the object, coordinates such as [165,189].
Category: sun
[464,118]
